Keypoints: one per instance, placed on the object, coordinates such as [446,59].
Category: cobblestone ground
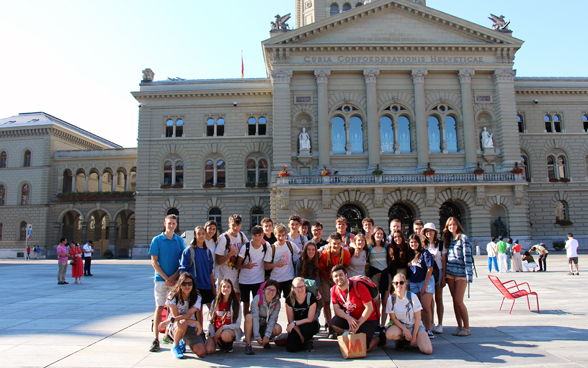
[106,321]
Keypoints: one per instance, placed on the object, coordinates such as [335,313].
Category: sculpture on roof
[280,23]
[499,23]
[148,75]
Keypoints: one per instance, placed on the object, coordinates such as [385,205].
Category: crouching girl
[301,309]
[225,319]
[261,323]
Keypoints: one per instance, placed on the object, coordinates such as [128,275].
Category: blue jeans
[492,261]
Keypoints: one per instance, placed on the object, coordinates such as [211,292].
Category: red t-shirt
[516,248]
[335,260]
[218,322]
[352,303]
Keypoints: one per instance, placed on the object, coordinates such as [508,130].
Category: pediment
[393,22]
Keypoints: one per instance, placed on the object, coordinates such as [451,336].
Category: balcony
[95,196]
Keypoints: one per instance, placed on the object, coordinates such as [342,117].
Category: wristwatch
[172,320]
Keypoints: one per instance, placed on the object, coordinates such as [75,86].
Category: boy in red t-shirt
[354,308]
[333,255]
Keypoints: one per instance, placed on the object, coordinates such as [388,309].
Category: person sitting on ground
[225,320]
[183,302]
[262,323]
[355,309]
[359,253]
[529,263]
[301,307]
[406,326]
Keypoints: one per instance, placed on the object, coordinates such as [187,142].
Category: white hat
[430,226]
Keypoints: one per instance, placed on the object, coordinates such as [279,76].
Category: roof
[42,119]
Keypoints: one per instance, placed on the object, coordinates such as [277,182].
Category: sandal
[456,332]
[464,332]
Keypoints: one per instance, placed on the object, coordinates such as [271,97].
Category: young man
[354,307]
[295,237]
[252,267]
[492,251]
[268,230]
[62,261]
[317,235]
[501,251]
[395,225]
[88,251]
[305,227]
[417,227]
[368,228]
[334,254]
[543,253]
[279,259]
[165,251]
[342,225]
[572,253]
[227,249]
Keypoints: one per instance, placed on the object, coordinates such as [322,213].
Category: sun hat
[430,226]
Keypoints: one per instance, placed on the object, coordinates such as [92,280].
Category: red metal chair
[507,294]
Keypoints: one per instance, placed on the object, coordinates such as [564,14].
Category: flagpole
[242,66]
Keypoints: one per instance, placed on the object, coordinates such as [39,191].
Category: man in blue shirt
[166,249]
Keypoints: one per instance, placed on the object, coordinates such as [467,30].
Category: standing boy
[227,249]
[252,267]
[165,251]
[62,261]
[305,228]
[280,259]
[572,253]
[347,238]
[492,251]
[268,230]
[368,228]
[294,223]
[88,251]
[317,235]
[501,248]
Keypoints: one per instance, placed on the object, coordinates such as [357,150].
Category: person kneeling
[225,319]
[404,309]
[357,311]
[262,321]
[301,309]
[183,301]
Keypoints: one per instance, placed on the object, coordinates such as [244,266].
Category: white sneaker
[438,329]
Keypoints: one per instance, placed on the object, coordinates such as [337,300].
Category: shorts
[325,289]
[207,295]
[160,290]
[190,337]
[411,326]
[456,278]
[247,290]
[369,328]
[573,260]
[415,287]
[285,287]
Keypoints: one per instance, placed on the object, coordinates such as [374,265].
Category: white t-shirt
[211,245]
[572,248]
[402,310]
[184,307]
[357,265]
[491,249]
[225,271]
[87,250]
[255,275]
[284,273]
[438,256]
[300,242]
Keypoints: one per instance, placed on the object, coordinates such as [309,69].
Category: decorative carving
[480,195]
[430,197]
[487,141]
[281,76]
[378,197]
[404,194]
[148,75]
[504,76]
[285,199]
[465,76]
[371,75]
[455,193]
[519,194]
[418,75]
[280,23]
[322,76]
[326,198]
[499,23]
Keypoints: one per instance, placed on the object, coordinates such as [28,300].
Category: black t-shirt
[321,243]
[272,239]
[301,310]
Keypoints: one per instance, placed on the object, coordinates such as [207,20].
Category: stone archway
[71,226]
[447,210]
[99,230]
[403,213]
[125,233]
[354,216]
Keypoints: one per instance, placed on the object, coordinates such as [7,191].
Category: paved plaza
[106,322]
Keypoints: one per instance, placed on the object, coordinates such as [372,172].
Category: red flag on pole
[242,66]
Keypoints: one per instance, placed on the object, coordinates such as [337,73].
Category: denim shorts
[415,287]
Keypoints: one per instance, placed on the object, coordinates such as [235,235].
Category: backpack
[248,254]
[260,293]
[408,295]
[193,256]
[289,247]
[329,257]
[232,262]
[311,288]
[369,284]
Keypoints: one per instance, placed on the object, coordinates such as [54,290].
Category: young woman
[301,308]
[261,323]
[405,324]
[378,261]
[307,266]
[359,253]
[183,302]
[401,249]
[225,320]
[211,228]
[422,282]
[458,271]
[529,261]
[77,268]
[431,243]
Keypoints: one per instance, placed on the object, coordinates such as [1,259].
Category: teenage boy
[395,225]
[165,251]
[252,267]
[333,255]
[492,251]
[62,261]
[342,225]
[268,230]
[294,223]
[317,235]
[354,308]
[88,251]
[368,228]
[417,227]
[572,253]
[501,248]
[305,228]
[280,259]
[228,247]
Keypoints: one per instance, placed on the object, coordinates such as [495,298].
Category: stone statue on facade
[487,141]
[500,227]
[499,23]
[304,139]
[280,23]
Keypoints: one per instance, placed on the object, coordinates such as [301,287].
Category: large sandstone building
[389,85]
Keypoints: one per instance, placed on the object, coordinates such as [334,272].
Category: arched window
[404,134]
[2,195]
[347,131]
[23,231]
[584,122]
[256,216]
[434,134]
[526,167]
[338,134]
[167,173]
[386,134]
[209,173]
[169,128]
[356,134]
[173,173]
[553,123]
[561,167]
[173,211]
[346,7]
[257,170]
[561,210]
[395,130]
[174,128]
[25,195]
[263,167]
[215,172]
[251,171]
[215,127]
[257,126]
[521,123]
[551,167]
[220,172]
[215,214]
[358,4]
[334,9]
[179,128]
[451,133]
[27,158]
[3,159]
[443,136]
[179,173]
[557,168]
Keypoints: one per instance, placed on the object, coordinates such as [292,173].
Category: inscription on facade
[344,59]
[303,99]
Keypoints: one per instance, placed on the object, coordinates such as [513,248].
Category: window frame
[172,172]
[176,122]
[584,123]
[441,111]
[2,194]
[395,112]
[25,200]
[562,213]
[521,122]
[346,112]
[27,158]
[3,159]
[257,169]
[257,124]
[217,217]
[22,231]
[215,160]
[556,168]
[215,126]
[256,216]
[550,120]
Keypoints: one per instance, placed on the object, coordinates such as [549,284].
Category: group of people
[350,278]
[74,253]
[36,250]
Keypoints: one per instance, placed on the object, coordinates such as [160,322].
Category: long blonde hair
[398,276]
[292,295]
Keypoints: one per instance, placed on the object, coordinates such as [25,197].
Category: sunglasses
[189,283]
[398,282]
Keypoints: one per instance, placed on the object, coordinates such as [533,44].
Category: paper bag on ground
[352,346]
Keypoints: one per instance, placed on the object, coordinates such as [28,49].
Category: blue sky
[79,60]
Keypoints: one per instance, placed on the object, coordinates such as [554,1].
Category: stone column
[420,110]
[373,126]
[506,134]
[127,180]
[73,182]
[324,152]
[113,182]
[112,237]
[469,127]
[85,232]
[86,185]
[282,142]
[99,182]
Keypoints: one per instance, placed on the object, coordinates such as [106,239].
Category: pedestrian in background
[517,259]
[492,251]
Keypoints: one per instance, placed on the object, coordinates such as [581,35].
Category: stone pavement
[106,321]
